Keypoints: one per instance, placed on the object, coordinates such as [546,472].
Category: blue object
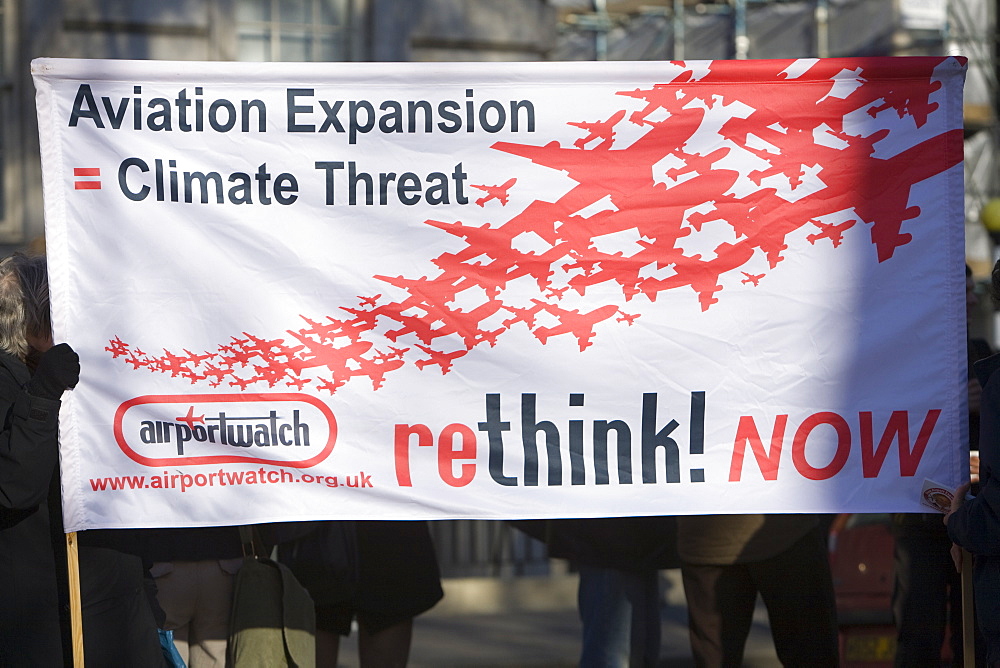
[170,653]
[620,613]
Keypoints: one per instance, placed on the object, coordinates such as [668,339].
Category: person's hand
[956,557]
[974,468]
[58,370]
[957,500]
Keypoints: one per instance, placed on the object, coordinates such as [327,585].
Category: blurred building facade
[495,30]
[482,30]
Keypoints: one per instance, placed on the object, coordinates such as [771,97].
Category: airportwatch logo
[279,429]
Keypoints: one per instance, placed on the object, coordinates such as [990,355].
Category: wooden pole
[968,614]
[75,606]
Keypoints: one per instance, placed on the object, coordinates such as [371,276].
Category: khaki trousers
[197,597]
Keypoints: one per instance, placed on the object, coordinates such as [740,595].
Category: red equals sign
[82,184]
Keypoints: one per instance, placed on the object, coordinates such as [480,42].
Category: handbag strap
[247,540]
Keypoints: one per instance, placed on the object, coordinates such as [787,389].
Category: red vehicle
[861,558]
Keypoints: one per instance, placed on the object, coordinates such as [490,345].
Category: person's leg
[720,602]
[208,631]
[620,615]
[327,648]
[985,580]
[605,617]
[398,578]
[176,592]
[118,622]
[646,621]
[332,622]
[386,648]
[797,588]
[920,592]
[955,624]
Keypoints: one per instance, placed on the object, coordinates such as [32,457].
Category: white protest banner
[505,290]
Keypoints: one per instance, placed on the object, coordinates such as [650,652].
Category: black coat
[29,610]
[976,524]
[622,543]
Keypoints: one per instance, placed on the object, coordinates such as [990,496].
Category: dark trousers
[795,586]
[118,624]
[927,593]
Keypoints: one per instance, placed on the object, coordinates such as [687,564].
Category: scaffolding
[739,29]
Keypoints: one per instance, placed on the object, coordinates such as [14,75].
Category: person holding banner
[927,591]
[117,617]
[29,598]
[974,523]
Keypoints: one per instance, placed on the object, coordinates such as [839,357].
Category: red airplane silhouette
[190,418]
[241,383]
[499,193]
[136,362]
[377,370]
[215,372]
[426,290]
[660,96]
[525,315]
[490,337]
[240,357]
[695,163]
[361,318]
[603,130]
[397,353]
[418,325]
[557,292]
[321,331]
[627,317]
[834,233]
[580,325]
[172,363]
[751,278]
[332,358]
[196,359]
[466,323]
[117,347]
[444,360]
[262,345]
[299,383]
[271,373]
[330,385]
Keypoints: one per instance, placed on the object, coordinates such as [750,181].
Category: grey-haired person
[34,373]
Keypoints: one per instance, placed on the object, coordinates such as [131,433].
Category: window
[17,200]
[294,30]
[5,104]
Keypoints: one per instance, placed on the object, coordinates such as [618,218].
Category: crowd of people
[380,575]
